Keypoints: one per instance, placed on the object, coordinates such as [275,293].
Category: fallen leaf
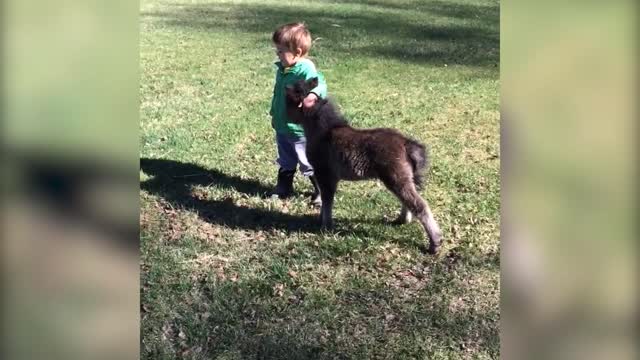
[278,289]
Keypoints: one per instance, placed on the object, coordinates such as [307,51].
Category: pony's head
[295,94]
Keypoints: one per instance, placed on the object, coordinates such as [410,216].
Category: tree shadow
[488,13]
[368,32]
[276,329]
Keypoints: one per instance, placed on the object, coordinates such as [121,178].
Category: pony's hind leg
[412,202]
[431,226]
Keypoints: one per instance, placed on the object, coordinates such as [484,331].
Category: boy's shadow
[174,180]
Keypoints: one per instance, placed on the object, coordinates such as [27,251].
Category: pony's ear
[313,82]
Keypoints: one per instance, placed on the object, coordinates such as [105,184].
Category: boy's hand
[309,101]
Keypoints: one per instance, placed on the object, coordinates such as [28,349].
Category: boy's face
[286,56]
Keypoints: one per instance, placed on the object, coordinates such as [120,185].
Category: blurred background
[568,111]
[70,105]
[70,138]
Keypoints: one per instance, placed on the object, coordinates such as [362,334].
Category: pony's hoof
[400,221]
[326,227]
[433,249]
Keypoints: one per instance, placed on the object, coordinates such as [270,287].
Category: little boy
[293,42]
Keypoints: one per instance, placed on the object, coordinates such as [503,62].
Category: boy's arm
[273,96]
[271,109]
[310,72]
[321,89]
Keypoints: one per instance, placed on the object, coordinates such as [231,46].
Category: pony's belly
[345,164]
[349,171]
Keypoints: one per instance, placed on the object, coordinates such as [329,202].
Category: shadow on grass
[174,180]
[445,33]
[246,319]
[489,13]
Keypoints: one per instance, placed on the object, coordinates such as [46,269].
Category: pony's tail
[418,157]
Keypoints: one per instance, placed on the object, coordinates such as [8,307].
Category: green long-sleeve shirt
[303,69]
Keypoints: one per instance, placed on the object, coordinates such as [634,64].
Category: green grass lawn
[228,274]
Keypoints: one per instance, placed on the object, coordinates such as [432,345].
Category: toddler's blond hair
[293,36]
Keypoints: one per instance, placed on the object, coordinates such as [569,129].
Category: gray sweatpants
[291,152]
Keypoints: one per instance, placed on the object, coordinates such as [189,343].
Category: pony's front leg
[327,193]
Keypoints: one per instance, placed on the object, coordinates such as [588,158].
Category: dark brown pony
[337,152]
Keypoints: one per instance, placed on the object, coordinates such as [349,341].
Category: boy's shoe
[284,187]
[316,200]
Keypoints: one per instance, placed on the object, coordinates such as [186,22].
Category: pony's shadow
[174,181]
